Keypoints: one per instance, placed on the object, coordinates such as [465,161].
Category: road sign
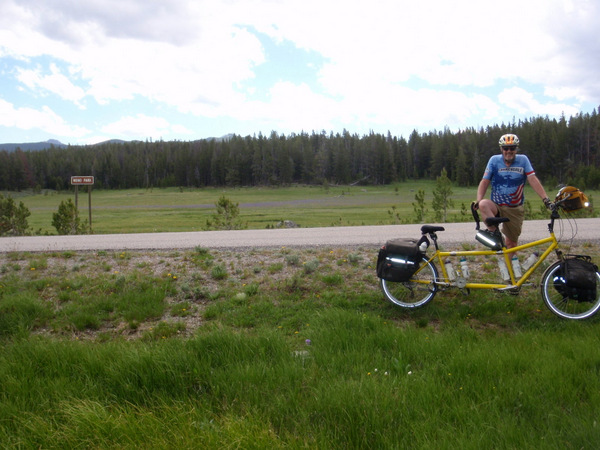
[82,180]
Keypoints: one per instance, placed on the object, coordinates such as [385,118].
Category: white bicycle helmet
[509,140]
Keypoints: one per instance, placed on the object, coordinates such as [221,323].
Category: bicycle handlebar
[475,215]
[553,206]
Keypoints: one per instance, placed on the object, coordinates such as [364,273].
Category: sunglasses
[509,149]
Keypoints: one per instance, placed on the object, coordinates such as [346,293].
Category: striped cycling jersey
[508,181]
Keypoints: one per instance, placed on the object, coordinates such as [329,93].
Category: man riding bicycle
[507,173]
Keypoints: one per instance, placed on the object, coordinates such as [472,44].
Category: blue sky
[83,72]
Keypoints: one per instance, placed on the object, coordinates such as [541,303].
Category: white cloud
[181,130]
[120,63]
[385,63]
[55,82]
[44,119]
[295,107]
[525,103]
[562,93]
[141,126]
[375,54]
[144,20]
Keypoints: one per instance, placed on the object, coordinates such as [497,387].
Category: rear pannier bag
[576,278]
[398,260]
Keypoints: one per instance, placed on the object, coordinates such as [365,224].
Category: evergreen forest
[566,150]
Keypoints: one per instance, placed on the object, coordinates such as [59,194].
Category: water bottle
[450,270]
[423,246]
[530,261]
[464,267]
[503,270]
[516,267]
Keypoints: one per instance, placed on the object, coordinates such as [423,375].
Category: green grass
[362,383]
[283,348]
[157,352]
[161,210]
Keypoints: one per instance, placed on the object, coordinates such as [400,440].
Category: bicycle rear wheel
[562,305]
[416,292]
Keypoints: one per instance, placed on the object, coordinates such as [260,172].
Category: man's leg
[512,229]
[488,209]
[509,242]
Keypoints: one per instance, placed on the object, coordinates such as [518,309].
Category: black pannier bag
[576,278]
[398,260]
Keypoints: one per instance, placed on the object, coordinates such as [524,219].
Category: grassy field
[159,210]
[281,348]
[276,348]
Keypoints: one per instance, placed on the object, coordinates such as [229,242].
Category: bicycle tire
[560,304]
[416,292]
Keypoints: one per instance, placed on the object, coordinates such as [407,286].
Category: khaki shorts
[512,229]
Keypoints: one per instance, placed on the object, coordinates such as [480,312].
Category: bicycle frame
[440,255]
[444,280]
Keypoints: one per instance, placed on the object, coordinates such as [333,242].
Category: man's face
[508,153]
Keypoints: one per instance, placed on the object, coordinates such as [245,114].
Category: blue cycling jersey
[508,182]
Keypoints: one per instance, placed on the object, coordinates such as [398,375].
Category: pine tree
[419,206]
[66,220]
[442,196]
[13,218]
[226,217]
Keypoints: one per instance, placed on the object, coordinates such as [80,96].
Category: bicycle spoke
[560,304]
[415,293]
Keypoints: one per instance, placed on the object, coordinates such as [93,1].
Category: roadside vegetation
[275,348]
[13,218]
[174,209]
[279,348]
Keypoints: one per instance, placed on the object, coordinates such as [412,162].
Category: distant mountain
[32,145]
[225,138]
[111,141]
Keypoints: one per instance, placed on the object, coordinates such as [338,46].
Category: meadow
[279,348]
[181,209]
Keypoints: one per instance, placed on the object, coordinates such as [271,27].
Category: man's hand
[547,203]
[475,205]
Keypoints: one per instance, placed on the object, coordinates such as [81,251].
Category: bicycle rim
[416,292]
[563,306]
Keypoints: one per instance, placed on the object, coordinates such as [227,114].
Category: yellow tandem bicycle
[410,278]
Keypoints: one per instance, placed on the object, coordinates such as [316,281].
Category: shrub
[292,260]
[219,272]
[66,220]
[226,217]
[311,266]
[13,218]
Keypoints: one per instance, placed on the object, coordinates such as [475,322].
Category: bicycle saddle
[494,221]
[425,229]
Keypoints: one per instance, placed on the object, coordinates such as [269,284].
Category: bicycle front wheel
[560,304]
[417,291]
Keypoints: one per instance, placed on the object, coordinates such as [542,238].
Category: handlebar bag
[398,260]
[576,279]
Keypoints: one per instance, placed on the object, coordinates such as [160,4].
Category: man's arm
[482,189]
[535,183]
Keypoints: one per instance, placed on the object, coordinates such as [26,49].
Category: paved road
[584,229]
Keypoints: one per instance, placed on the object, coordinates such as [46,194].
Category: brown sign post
[84,181]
